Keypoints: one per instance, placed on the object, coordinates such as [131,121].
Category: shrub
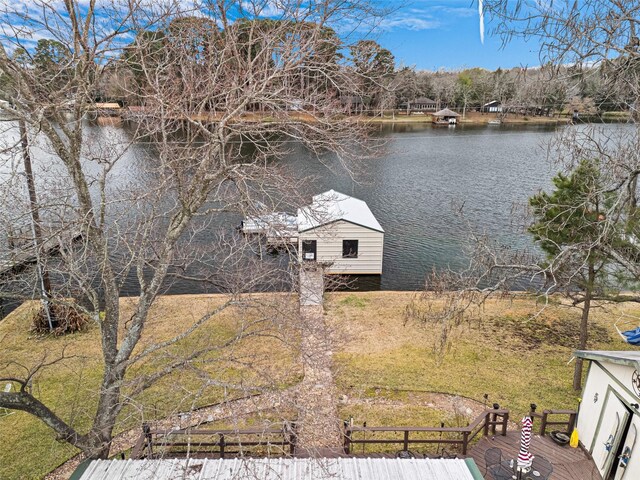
[65,318]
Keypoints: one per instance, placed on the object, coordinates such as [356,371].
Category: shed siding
[600,381]
[330,237]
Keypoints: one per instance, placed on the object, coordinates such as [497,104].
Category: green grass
[381,365]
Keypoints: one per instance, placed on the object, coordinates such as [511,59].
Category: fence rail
[157,443]
[487,422]
[282,441]
[569,422]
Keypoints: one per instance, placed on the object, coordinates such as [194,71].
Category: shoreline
[484,119]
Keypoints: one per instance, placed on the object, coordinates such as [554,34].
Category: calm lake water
[428,173]
[415,188]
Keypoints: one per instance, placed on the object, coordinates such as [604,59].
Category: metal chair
[542,466]
[492,456]
[500,472]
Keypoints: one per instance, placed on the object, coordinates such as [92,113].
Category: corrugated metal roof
[331,206]
[279,469]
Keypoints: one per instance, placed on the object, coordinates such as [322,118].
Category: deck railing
[488,422]
[221,443]
[569,421]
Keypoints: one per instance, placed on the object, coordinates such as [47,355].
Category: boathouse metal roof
[332,206]
[280,469]
[446,113]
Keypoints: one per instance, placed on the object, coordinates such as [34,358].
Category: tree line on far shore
[377,84]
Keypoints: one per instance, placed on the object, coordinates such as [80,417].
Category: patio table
[518,474]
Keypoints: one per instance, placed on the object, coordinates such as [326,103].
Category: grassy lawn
[513,358]
[382,366]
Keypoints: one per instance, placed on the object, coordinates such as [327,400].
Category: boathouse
[609,416]
[341,232]
[445,117]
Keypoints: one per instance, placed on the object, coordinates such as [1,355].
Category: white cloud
[409,23]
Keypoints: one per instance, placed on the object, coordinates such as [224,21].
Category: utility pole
[45,283]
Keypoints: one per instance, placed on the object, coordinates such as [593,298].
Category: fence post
[465,441]
[485,428]
[543,423]
[572,423]
[222,445]
[406,440]
[505,421]
[146,430]
[494,418]
[293,437]
[347,441]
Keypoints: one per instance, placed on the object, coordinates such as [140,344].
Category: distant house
[493,106]
[341,232]
[421,104]
[354,104]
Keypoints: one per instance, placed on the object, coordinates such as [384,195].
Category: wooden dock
[16,260]
[568,463]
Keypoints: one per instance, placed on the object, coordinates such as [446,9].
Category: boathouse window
[350,249]
[309,249]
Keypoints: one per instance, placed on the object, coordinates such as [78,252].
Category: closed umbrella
[524,456]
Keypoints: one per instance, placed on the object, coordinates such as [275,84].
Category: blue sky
[432,34]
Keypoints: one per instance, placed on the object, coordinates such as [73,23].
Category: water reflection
[415,189]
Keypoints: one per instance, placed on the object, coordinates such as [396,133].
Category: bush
[65,319]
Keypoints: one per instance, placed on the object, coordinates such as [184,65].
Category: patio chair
[542,466]
[500,472]
[492,456]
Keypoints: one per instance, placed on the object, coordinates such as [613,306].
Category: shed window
[350,249]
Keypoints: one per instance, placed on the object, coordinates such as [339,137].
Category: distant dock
[17,259]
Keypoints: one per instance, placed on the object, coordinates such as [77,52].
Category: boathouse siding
[330,239]
[609,417]
[342,233]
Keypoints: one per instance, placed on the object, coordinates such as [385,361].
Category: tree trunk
[633,200]
[584,325]
[35,225]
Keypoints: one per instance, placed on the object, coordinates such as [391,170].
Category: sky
[434,34]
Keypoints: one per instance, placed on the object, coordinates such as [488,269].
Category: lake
[425,176]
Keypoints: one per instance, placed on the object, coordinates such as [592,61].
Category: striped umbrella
[524,456]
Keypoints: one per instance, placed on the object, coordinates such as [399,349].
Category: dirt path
[318,426]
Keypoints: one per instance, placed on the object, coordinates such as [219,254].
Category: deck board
[568,463]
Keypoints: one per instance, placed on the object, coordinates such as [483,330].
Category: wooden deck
[568,463]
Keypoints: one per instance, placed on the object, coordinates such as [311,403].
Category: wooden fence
[486,423]
[568,422]
[282,441]
[215,443]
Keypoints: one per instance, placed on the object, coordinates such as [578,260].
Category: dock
[279,228]
[17,259]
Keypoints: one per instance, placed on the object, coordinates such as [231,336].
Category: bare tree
[588,226]
[220,91]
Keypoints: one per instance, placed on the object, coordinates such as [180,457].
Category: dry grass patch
[261,358]
[384,367]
